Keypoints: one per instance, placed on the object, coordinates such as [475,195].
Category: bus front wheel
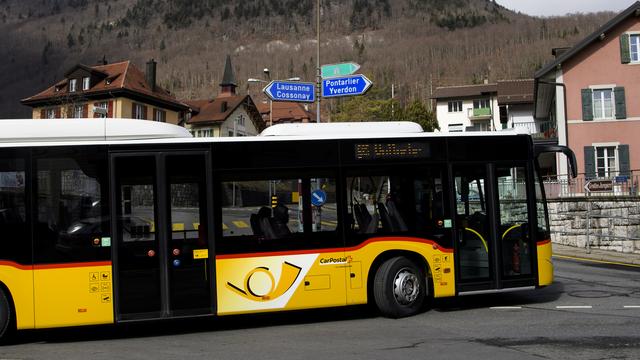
[6,318]
[399,288]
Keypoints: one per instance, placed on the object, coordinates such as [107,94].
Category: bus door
[162,242]
[493,247]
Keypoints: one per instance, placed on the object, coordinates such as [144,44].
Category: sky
[562,7]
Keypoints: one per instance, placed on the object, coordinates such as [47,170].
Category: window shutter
[133,110]
[589,162]
[110,109]
[625,54]
[621,107]
[623,160]
[145,112]
[155,117]
[587,104]
[43,113]
[85,110]
[57,112]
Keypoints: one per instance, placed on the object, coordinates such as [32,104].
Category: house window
[86,83]
[603,104]
[138,111]
[101,105]
[78,111]
[160,115]
[240,120]
[634,47]
[606,161]
[50,114]
[73,85]
[455,106]
[481,104]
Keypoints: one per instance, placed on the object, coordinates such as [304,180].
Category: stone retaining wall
[615,222]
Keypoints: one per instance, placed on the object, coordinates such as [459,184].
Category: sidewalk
[597,254]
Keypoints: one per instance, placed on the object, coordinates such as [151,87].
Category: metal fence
[607,186]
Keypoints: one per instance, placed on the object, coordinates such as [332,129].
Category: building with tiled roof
[487,107]
[117,90]
[284,112]
[228,114]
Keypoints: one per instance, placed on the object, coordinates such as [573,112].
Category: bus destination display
[402,150]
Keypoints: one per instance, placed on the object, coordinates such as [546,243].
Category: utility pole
[318,77]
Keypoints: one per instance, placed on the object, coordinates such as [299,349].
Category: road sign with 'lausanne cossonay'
[290,91]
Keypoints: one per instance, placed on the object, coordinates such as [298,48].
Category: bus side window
[72,212]
[14,237]
[261,209]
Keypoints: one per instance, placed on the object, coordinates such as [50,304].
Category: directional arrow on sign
[345,86]
[290,91]
[342,69]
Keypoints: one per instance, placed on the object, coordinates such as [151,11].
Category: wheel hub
[406,287]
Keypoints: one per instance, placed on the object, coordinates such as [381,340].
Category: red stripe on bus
[53,266]
[71,265]
[15,265]
[357,247]
[543,242]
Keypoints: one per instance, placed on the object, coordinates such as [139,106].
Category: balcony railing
[539,129]
[479,113]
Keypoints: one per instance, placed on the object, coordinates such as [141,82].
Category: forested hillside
[414,44]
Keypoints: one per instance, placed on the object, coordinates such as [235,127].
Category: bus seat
[385,218]
[280,220]
[254,221]
[396,218]
[372,227]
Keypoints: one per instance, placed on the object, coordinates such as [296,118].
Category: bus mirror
[573,164]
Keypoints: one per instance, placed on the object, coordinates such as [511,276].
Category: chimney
[150,75]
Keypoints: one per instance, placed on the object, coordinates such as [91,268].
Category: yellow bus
[106,221]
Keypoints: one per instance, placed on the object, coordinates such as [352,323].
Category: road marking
[574,307]
[328,223]
[224,226]
[505,307]
[240,224]
[632,306]
[595,261]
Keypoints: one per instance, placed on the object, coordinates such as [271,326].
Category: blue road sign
[345,86]
[290,91]
[318,197]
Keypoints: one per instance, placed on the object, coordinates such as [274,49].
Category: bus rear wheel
[6,318]
[399,288]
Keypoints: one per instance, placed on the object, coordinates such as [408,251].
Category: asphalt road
[591,312]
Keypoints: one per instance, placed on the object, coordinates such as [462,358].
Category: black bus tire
[7,326]
[399,288]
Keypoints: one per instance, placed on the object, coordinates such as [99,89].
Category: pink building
[590,91]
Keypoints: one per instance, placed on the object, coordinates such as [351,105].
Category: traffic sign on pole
[345,86]
[290,91]
[598,186]
[342,69]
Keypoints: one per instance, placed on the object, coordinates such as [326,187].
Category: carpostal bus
[109,220]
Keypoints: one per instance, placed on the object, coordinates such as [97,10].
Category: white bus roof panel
[99,129]
[343,128]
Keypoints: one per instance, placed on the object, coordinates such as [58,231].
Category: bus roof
[56,132]
[343,128]
[99,129]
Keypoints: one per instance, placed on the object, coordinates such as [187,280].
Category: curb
[601,256]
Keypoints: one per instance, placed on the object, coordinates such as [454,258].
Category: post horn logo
[288,277]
